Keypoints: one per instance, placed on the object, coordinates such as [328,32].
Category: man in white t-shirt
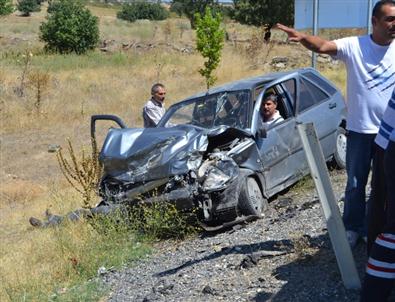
[370,68]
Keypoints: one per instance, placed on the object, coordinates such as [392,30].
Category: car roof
[248,83]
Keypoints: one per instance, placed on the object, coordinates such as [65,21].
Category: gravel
[286,256]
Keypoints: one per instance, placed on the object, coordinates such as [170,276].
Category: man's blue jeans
[358,162]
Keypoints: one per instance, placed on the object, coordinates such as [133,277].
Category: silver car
[212,153]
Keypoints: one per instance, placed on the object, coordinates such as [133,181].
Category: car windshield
[225,108]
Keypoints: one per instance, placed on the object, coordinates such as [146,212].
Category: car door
[317,104]
[278,149]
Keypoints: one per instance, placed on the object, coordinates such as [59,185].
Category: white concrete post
[337,234]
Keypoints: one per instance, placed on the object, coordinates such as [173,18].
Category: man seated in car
[269,112]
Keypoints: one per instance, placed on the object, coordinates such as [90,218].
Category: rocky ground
[286,256]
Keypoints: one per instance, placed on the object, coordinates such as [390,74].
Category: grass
[59,260]
[56,264]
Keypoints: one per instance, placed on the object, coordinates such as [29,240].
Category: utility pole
[369,16]
[315,31]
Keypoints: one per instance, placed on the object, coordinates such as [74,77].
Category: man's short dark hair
[270,97]
[154,88]
[377,7]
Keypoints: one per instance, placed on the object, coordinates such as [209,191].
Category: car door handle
[332,105]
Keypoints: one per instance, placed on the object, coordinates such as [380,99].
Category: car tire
[251,200]
[339,157]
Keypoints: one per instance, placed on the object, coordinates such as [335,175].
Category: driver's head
[268,106]
[158,92]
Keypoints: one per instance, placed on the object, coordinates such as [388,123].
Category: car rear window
[320,82]
[309,95]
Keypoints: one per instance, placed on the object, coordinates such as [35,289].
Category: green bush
[162,221]
[70,27]
[52,6]
[142,10]
[26,7]
[6,7]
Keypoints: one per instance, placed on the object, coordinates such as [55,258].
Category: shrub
[6,7]
[26,7]
[190,7]
[70,27]
[263,12]
[52,6]
[177,7]
[142,10]
[162,221]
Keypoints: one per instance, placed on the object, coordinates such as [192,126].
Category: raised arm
[313,43]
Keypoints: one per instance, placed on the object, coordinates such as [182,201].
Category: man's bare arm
[313,43]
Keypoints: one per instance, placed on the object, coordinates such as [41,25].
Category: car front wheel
[341,146]
[251,200]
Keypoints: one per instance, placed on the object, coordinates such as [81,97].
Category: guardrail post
[337,234]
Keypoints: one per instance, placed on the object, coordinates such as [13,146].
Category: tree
[190,7]
[26,7]
[209,42]
[70,27]
[6,7]
[142,10]
[264,12]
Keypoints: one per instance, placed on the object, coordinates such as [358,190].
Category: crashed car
[211,152]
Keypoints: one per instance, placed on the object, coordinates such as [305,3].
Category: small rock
[101,271]
[208,290]
[249,261]
[282,203]
[277,60]
[52,148]
[163,287]
[279,65]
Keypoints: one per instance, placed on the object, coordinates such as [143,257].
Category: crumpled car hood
[144,154]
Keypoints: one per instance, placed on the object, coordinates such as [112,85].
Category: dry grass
[97,83]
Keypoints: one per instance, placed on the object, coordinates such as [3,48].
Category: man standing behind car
[370,67]
[154,109]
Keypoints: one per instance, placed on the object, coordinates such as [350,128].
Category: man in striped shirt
[380,270]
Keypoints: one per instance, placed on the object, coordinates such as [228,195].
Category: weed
[183,27]
[83,173]
[39,80]
[254,48]
[305,184]
[162,220]
[268,48]
[167,29]
[160,63]
[25,62]
[302,247]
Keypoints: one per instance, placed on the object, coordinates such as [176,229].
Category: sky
[333,13]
